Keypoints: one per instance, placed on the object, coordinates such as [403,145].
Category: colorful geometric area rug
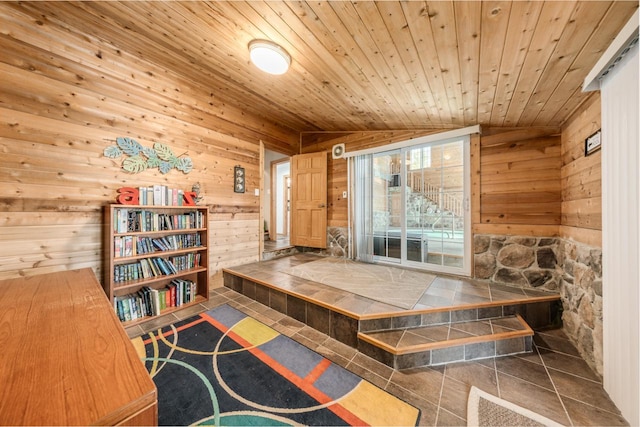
[225,368]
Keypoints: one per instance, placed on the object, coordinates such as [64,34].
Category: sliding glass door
[417,206]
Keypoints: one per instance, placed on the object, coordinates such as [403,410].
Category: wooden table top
[65,358]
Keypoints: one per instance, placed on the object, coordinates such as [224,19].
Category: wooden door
[309,200]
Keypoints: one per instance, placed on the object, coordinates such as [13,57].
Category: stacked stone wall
[337,242]
[518,260]
[581,293]
[570,268]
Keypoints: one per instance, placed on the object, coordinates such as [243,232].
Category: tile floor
[281,242]
[553,380]
[444,291]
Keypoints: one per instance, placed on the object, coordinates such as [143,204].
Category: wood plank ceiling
[370,65]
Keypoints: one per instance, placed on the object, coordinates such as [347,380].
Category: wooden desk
[64,357]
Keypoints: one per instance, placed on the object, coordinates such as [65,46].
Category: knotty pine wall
[64,97]
[581,177]
[520,187]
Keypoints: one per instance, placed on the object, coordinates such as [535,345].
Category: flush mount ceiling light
[269,57]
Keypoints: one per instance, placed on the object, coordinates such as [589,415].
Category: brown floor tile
[284,330]
[474,328]
[330,296]
[310,344]
[473,289]
[582,414]
[391,338]
[435,301]
[446,418]
[291,323]
[536,293]
[472,373]
[372,365]
[318,338]
[264,319]
[533,357]
[532,397]
[513,290]
[436,333]
[426,381]
[582,390]
[379,307]
[455,395]
[520,368]
[446,283]
[340,349]
[455,334]
[411,339]
[469,299]
[441,291]
[508,323]
[190,311]
[561,345]
[354,303]
[134,331]
[235,304]
[215,301]
[274,315]
[573,365]
[158,323]
[497,295]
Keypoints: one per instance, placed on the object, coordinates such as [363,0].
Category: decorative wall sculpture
[141,158]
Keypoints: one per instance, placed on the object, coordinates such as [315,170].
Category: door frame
[471,202]
[273,227]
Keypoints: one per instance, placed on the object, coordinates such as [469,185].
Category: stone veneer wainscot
[565,266]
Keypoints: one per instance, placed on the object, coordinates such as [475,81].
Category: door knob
[322,205]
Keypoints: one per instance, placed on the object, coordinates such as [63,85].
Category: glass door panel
[435,215]
[413,206]
[387,208]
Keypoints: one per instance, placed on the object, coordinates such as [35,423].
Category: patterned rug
[396,286]
[225,368]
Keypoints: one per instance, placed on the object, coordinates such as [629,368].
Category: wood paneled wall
[516,187]
[581,177]
[520,189]
[64,97]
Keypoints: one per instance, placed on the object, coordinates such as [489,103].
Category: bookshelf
[157,259]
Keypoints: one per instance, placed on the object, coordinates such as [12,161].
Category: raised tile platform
[355,320]
[448,342]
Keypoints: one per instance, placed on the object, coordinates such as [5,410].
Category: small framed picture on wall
[238,179]
[593,143]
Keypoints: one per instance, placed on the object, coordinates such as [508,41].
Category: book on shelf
[148,301]
[141,220]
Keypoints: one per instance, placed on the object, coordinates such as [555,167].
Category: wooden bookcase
[129,228]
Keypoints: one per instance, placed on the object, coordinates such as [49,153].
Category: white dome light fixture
[269,57]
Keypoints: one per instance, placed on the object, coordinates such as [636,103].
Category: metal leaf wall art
[141,158]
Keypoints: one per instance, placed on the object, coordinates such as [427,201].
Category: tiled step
[410,347]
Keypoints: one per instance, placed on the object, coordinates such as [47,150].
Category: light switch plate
[257,191]
[344,194]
